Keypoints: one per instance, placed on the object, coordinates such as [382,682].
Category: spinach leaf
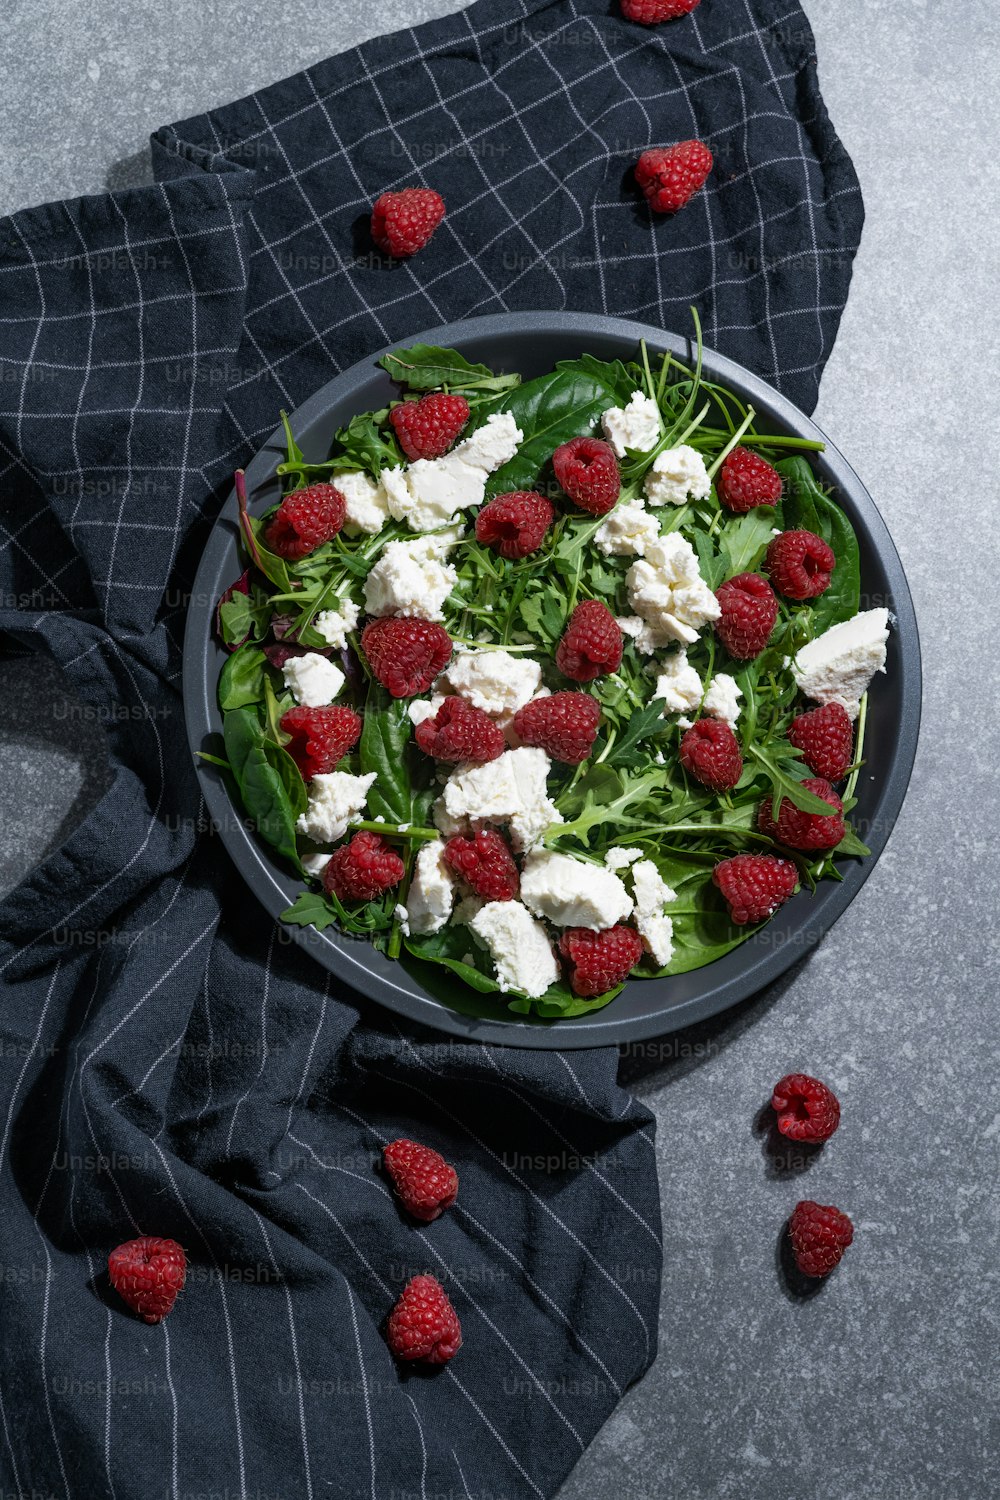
[385,739]
[242,679]
[423,368]
[743,540]
[269,781]
[452,946]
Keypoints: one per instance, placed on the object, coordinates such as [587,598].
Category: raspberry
[423,1324]
[406,654]
[362,869]
[304,520]
[486,865]
[746,480]
[804,830]
[428,427]
[591,643]
[807,1110]
[514,525]
[587,469]
[670,175]
[460,732]
[564,725]
[147,1274]
[710,752]
[825,736]
[402,223]
[651,12]
[600,960]
[749,610]
[320,737]
[819,1234]
[425,1184]
[755,885]
[800,564]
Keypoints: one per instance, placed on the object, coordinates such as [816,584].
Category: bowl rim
[764,963]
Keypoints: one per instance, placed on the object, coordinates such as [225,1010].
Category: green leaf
[743,540]
[242,679]
[786,778]
[450,947]
[364,445]
[311,909]
[269,781]
[850,845]
[641,725]
[423,367]
[806,506]
[384,748]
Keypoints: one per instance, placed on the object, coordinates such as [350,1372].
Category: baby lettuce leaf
[423,367]
[269,781]
[743,541]
[400,793]
[242,679]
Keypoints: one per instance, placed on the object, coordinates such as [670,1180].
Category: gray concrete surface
[883,1384]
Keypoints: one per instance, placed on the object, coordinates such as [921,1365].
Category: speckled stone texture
[882,1384]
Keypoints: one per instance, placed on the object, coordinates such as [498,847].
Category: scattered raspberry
[803,830]
[425,1184]
[800,564]
[402,223]
[749,610]
[670,175]
[807,1110]
[587,469]
[651,12]
[428,427]
[362,869]
[304,520]
[755,885]
[591,643]
[819,1234]
[746,480]
[514,525]
[486,865]
[460,732]
[320,737]
[825,736]
[147,1274]
[423,1324]
[710,752]
[564,725]
[406,654]
[600,960]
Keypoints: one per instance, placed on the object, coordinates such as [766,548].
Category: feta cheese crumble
[620,858]
[312,680]
[666,590]
[335,625]
[510,789]
[431,492]
[432,890]
[651,895]
[420,709]
[411,578]
[494,681]
[335,801]
[572,892]
[722,698]
[678,684]
[676,474]
[367,502]
[518,945]
[635,426]
[839,664]
[628,531]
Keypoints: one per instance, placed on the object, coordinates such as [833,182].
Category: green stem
[395,831]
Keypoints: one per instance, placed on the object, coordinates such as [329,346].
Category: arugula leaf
[786,777]
[603,796]
[743,540]
[242,679]
[642,725]
[423,367]
[452,946]
[322,909]
[364,445]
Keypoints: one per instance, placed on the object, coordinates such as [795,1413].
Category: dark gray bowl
[531,343]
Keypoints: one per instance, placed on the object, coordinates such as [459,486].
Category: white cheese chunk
[635,426]
[335,801]
[315,864]
[666,590]
[335,625]
[676,474]
[510,789]
[420,709]
[678,684]
[432,890]
[367,502]
[431,492]
[620,858]
[839,664]
[722,698]
[494,681]
[312,680]
[518,945]
[572,892]
[411,578]
[628,531]
[651,895]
